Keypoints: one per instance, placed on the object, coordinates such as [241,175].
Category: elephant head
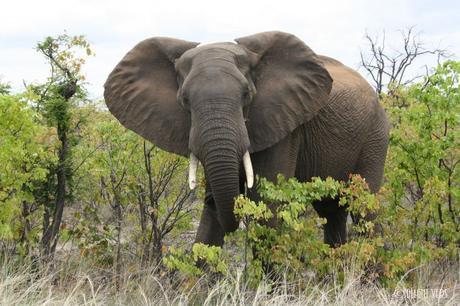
[218,102]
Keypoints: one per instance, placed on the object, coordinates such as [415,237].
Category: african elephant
[264,105]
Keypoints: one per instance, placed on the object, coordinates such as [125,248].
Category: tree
[56,101]
[115,164]
[5,88]
[21,153]
[422,168]
[388,68]
[136,194]
[164,199]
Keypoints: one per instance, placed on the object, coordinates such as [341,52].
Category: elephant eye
[185,101]
[246,94]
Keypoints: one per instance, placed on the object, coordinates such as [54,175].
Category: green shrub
[21,153]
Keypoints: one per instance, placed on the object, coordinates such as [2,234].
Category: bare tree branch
[389,69]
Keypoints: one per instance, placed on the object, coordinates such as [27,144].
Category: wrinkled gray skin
[298,114]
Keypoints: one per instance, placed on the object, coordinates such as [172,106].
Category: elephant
[263,105]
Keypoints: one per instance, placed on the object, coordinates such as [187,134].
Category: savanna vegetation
[90,213]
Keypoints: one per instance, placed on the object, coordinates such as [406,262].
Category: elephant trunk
[220,142]
[223,178]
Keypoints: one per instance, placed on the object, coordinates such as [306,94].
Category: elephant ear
[141,93]
[292,86]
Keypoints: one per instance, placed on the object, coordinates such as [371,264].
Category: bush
[21,153]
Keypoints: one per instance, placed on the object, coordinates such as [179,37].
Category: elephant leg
[209,231]
[335,230]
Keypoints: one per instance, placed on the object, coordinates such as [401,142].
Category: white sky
[333,28]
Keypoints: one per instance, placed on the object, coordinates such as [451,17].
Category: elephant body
[347,136]
[268,99]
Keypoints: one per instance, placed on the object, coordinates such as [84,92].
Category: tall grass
[76,282]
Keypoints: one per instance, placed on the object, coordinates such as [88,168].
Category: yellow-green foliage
[422,171]
[295,246]
[21,151]
[200,254]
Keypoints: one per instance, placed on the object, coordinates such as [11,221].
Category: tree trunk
[26,227]
[51,235]
[143,223]
[118,225]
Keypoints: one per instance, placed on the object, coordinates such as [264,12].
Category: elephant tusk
[192,171]
[248,169]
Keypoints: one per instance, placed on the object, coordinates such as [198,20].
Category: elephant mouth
[247,164]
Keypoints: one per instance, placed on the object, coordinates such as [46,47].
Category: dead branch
[388,68]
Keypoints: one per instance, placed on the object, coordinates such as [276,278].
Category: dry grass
[81,284]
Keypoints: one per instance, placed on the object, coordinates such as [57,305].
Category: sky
[333,28]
